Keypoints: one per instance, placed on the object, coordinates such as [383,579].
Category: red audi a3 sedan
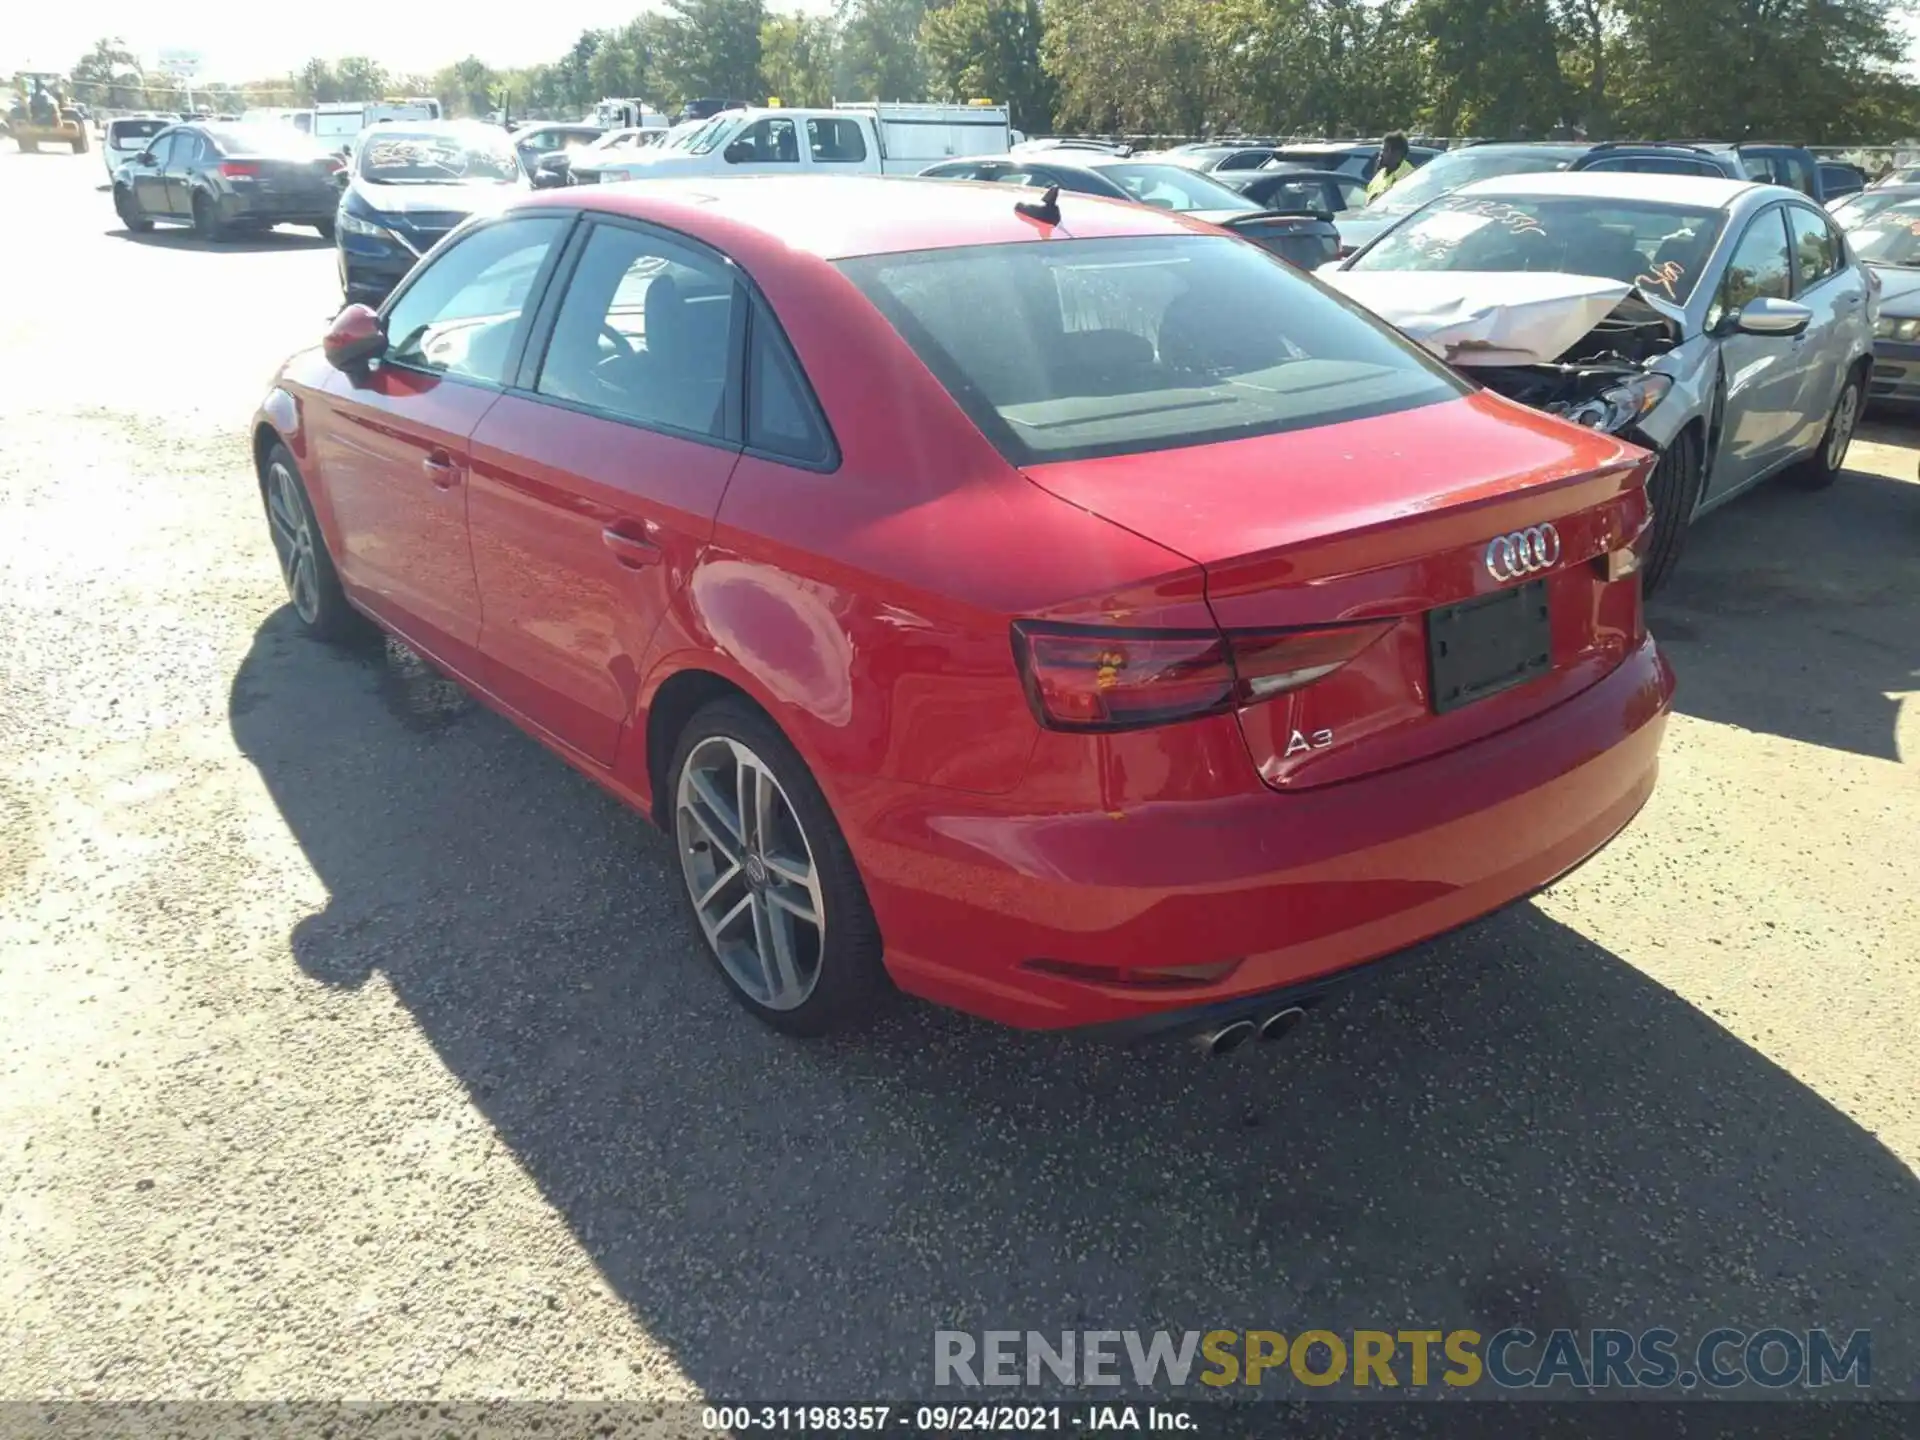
[1076,616]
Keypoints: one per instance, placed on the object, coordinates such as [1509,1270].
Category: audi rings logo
[1524,552]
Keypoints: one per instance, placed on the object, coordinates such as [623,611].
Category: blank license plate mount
[1488,644]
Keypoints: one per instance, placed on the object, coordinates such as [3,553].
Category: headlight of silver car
[1888,327]
[1614,409]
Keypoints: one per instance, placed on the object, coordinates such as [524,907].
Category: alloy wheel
[751,873]
[1846,415]
[293,541]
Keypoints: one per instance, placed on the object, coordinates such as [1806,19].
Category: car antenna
[1047,212]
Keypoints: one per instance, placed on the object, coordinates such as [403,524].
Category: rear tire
[1674,490]
[1823,467]
[206,220]
[28,147]
[80,142]
[325,227]
[786,921]
[128,209]
[313,585]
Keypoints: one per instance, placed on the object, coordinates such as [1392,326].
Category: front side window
[460,314]
[1761,267]
[1661,248]
[645,333]
[765,142]
[1816,249]
[1068,349]
[835,141]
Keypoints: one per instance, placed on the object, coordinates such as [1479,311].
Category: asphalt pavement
[352,1046]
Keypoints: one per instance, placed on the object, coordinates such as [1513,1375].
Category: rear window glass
[1080,348]
[1661,248]
[120,132]
[1174,187]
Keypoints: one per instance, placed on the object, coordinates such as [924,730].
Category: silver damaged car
[1724,324]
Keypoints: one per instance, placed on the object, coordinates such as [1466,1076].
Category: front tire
[1674,490]
[325,227]
[313,585]
[770,881]
[28,147]
[207,223]
[1823,467]
[128,209]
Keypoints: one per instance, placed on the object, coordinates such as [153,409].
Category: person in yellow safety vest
[1392,168]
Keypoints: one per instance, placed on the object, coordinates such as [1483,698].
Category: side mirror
[145,157]
[1768,316]
[738,153]
[355,337]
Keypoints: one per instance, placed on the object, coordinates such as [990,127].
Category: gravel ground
[351,1046]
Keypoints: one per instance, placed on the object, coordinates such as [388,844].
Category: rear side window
[782,418]
[645,333]
[835,141]
[1816,249]
[1072,349]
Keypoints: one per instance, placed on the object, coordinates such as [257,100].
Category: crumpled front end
[1595,351]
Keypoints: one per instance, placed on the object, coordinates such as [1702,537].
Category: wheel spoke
[716,813]
[779,957]
[306,598]
[725,878]
[797,903]
[746,779]
[725,922]
[764,949]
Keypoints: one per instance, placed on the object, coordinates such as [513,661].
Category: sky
[251,42]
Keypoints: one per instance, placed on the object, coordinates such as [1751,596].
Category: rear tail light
[1091,678]
[238,169]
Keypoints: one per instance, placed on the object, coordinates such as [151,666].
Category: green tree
[315,84]
[879,57]
[466,87]
[623,64]
[1140,67]
[796,58]
[710,48]
[359,78]
[109,74]
[990,49]
[1493,67]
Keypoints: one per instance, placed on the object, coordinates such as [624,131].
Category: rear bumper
[264,209]
[1295,887]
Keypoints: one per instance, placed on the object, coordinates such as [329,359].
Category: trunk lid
[1391,519]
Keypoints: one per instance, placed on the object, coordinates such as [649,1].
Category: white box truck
[851,138]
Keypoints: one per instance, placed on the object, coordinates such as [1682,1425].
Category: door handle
[441,470]
[630,550]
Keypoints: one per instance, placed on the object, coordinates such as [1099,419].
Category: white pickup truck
[851,138]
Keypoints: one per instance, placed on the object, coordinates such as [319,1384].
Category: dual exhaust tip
[1231,1037]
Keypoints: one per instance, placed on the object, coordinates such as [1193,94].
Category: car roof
[835,217]
[1692,190]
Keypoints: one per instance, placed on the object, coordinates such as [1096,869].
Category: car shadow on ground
[1508,1125]
[1797,613]
[180,237]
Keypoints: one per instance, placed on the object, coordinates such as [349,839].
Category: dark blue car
[411,183]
